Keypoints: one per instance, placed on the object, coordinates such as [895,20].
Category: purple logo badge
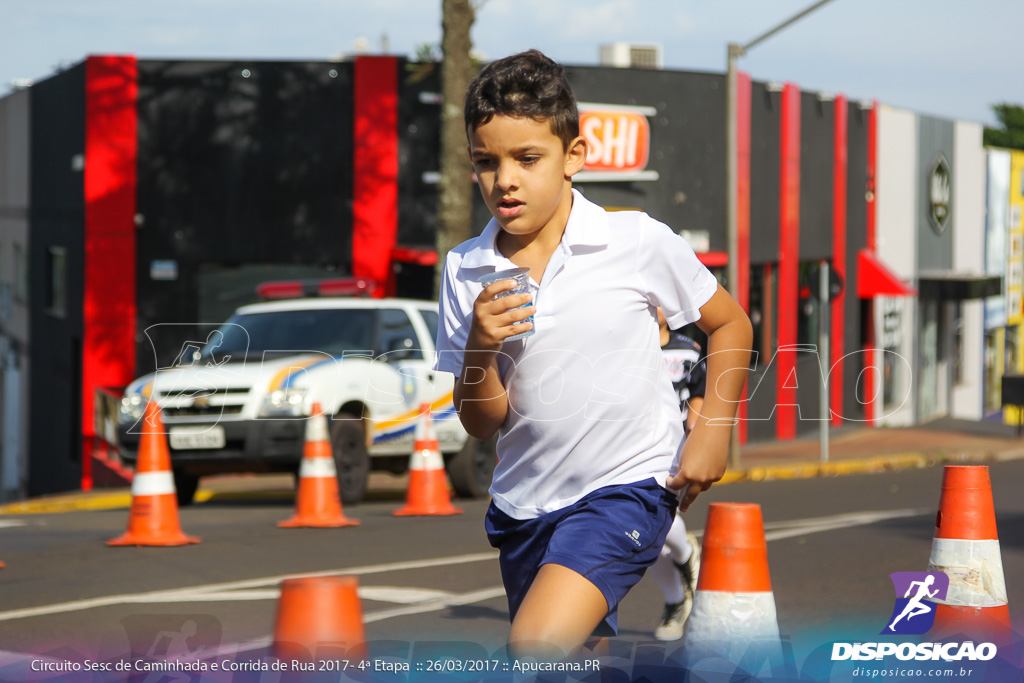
[916,593]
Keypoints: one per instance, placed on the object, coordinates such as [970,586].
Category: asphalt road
[832,542]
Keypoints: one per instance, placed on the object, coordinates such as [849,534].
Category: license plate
[186,438]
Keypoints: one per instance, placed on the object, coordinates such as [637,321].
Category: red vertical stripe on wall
[872,379]
[108,347]
[789,261]
[375,166]
[838,306]
[742,288]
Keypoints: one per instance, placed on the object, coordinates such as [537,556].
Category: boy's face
[524,171]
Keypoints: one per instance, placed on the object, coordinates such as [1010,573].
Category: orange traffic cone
[317,503]
[733,607]
[966,547]
[316,613]
[153,518]
[428,481]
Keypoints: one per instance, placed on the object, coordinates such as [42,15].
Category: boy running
[590,470]
[677,568]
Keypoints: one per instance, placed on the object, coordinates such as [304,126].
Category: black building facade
[164,191]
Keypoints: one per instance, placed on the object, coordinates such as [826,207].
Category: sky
[949,58]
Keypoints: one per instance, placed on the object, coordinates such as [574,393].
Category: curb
[83,501]
[122,498]
[813,469]
[882,463]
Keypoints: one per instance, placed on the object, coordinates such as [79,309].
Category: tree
[1011,135]
[455,192]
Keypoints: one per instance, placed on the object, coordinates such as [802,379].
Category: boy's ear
[575,156]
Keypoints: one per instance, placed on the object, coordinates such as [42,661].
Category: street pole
[733,52]
[824,354]
[731,217]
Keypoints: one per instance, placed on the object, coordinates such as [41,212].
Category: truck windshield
[331,331]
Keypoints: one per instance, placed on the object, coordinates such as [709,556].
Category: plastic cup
[523,286]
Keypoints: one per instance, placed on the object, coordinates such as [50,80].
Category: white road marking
[404,596]
[418,600]
[430,606]
[196,593]
[396,594]
[438,604]
[4,523]
[813,525]
[781,530]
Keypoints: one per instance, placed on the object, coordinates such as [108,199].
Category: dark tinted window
[332,331]
[397,334]
[430,318]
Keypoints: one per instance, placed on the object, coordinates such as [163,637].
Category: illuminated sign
[618,142]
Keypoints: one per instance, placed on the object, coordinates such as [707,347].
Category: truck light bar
[298,289]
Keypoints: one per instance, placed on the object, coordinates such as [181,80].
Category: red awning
[875,279]
[414,255]
[713,259]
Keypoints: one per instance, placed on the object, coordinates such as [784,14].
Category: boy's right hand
[494,319]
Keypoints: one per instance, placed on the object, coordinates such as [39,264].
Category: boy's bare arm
[694,405]
[480,397]
[706,451]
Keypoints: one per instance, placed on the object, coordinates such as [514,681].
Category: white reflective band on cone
[432,459]
[975,570]
[737,627]
[152,484]
[416,460]
[317,468]
[718,615]
[316,429]
[425,459]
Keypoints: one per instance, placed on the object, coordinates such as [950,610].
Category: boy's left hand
[703,462]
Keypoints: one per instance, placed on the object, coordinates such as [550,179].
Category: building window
[56,281]
[957,361]
[892,343]
[993,372]
[762,314]
[808,306]
[20,273]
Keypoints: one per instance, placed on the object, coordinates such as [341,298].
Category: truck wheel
[351,457]
[470,470]
[185,486]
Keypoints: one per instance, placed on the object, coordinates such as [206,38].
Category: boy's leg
[677,550]
[558,614]
[677,543]
[667,578]
[596,551]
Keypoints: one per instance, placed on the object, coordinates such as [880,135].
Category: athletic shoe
[671,627]
[689,571]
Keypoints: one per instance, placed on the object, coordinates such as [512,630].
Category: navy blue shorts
[610,536]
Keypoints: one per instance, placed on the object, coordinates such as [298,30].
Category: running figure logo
[914,612]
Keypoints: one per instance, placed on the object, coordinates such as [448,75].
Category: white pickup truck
[239,401]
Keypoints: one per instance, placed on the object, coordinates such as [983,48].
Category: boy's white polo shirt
[590,399]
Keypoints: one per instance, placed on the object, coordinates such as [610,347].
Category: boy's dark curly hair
[526,85]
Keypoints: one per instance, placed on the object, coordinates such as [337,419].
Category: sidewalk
[852,450]
[864,449]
